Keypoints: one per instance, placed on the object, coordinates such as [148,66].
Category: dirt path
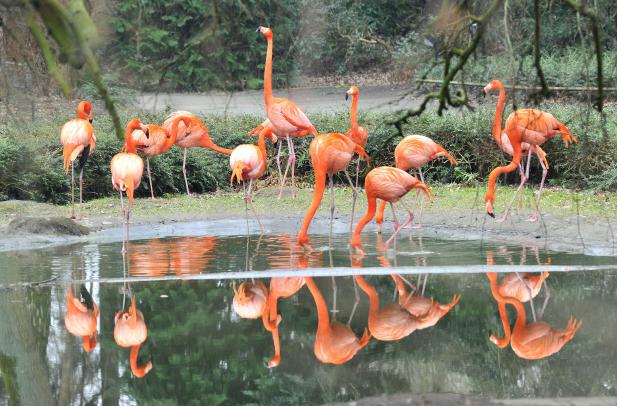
[311,100]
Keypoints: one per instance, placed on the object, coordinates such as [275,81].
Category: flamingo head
[267,32]
[495,84]
[353,91]
[84,110]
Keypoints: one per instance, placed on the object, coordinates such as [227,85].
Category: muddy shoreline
[565,233]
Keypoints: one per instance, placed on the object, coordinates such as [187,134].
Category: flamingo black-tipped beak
[483,93]
[90,120]
[346,97]
[257,30]
[147,132]
[491,214]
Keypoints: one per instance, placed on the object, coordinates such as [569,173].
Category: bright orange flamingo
[286,118]
[279,288]
[81,317]
[248,162]
[130,331]
[411,153]
[250,299]
[389,323]
[78,140]
[390,185]
[522,287]
[335,343]
[330,154]
[358,134]
[156,142]
[535,340]
[196,135]
[419,306]
[503,142]
[533,127]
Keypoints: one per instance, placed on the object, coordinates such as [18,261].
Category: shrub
[31,157]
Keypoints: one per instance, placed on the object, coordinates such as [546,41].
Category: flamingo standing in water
[81,317]
[130,331]
[279,288]
[503,142]
[330,153]
[390,185]
[358,134]
[522,287]
[411,153]
[534,340]
[248,162]
[429,310]
[195,135]
[284,116]
[533,127]
[335,343]
[78,140]
[389,323]
[158,141]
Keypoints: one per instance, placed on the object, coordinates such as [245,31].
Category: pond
[202,352]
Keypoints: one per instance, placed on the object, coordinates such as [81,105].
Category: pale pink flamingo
[130,331]
[78,140]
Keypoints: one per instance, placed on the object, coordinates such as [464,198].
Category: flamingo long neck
[81,111]
[400,287]
[138,370]
[268,74]
[322,309]
[261,144]
[320,186]
[130,145]
[521,314]
[353,113]
[133,313]
[498,114]
[373,297]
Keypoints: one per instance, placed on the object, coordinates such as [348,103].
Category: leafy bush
[31,157]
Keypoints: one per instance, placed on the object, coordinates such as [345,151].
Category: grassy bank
[31,156]
[448,198]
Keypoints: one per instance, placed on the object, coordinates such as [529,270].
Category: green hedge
[31,155]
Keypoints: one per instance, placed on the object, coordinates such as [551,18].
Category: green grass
[453,198]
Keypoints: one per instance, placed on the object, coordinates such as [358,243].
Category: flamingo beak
[346,96]
[489,209]
[90,120]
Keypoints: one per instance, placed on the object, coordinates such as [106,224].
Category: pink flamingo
[285,117]
[195,135]
[78,140]
[248,162]
[130,331]
[502,140]
[81,317]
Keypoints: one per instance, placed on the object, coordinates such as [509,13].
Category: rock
[47,225]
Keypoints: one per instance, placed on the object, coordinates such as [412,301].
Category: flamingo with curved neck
[533,127]
[130,331]
[195,135]
[286,118]
[248,162]
[78,141]
[81,317]
[504,143]
[335,343]
[391,322]
[534,340]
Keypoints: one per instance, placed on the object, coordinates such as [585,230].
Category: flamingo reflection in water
[534,340]
[391,322]
[521,286]
[130,331]
[81,317]
[335,343]
[180,256]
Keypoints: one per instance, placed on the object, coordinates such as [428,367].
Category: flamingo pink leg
[524,178]
[72,192]
[291,158]
[534,216]
[419,225]
[278,161]
[149,177]
[331,202]
[81,187]
[355,196]
[249,200]
[397,228]
[186,181]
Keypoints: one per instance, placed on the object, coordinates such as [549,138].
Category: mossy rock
[47,225]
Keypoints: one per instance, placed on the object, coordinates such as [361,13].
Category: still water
[203,352]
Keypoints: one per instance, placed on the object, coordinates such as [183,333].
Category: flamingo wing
[292,114]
